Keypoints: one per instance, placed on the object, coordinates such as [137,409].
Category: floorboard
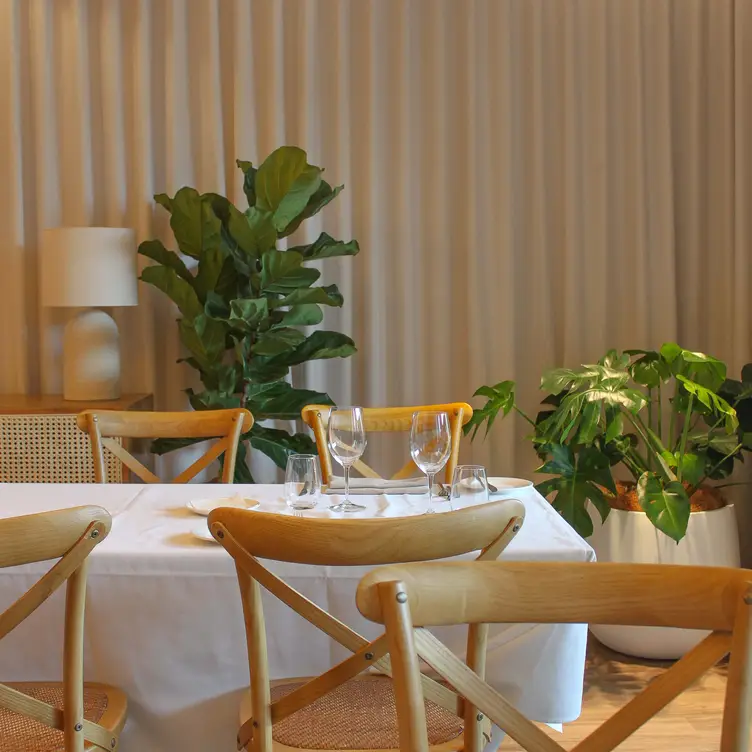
[692,723]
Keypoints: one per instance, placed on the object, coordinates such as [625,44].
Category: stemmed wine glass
[430,443]
[347,442]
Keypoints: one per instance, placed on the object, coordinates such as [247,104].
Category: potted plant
[243,301]
[637,447]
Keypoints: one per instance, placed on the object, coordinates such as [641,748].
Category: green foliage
[610,415]
[243,300]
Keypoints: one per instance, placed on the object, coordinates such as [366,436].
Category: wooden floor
[692,723]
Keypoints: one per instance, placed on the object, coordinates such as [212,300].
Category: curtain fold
[531,182]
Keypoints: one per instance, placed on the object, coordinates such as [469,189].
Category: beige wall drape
[531,181]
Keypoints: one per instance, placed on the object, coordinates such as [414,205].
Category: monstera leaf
[244,302]
[580,477]
[665,503]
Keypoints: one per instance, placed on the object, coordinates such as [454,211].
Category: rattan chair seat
[21,734]
[360,714]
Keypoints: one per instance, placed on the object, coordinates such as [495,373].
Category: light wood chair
[340,711]
[387,419]
[103,426]
[410,597]
[72,716]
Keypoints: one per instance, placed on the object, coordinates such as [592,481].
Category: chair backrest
[68,535]
[387,419]
[103,426]
[249,536]
[407,598]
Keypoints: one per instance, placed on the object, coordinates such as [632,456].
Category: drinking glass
[302,481]
[347,442]
[469,485]
[430,442]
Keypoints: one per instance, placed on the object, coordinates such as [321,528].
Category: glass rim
[300,455]
[343,408]
[469,467]
[430,412]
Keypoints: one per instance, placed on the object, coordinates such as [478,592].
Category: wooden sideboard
[41,443]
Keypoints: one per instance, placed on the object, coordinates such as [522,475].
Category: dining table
[164,620]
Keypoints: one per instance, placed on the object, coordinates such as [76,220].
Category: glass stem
[430,491]
[346,468]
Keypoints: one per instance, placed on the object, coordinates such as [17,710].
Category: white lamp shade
[88,267]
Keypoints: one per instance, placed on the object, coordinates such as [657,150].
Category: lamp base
[91,357]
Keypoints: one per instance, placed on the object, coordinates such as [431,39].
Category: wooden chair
[334,698]
[104,425]
[92,715]
[387,419]
[418,595]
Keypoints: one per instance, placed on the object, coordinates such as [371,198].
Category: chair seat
[359,715]
[102,704]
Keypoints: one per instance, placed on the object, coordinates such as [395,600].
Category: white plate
[508,485]
[205,506]
[202,532]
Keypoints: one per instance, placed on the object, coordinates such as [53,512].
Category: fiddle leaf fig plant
[243,301]
[669,418]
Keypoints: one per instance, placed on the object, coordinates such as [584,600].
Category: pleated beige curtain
[531,181]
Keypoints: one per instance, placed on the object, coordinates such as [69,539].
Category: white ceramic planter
[712,540]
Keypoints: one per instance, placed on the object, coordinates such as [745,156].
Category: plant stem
[524,415]
[685,433]
[638,461]
[632,464]
[713,469]
[672,423]
[660,412]
[643,435]
[650,422]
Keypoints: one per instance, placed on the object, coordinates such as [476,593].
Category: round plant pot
[629,537]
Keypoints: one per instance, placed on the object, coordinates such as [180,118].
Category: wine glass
[469,485]
[347,442]
[430,443]
[302,481]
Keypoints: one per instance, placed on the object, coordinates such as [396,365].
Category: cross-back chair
[92,715]
[249,536]
[411,597]
[387,419]
[105,426]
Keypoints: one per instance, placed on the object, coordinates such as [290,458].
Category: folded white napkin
[375,486]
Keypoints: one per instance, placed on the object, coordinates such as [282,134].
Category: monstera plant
[243,301]
[670,419]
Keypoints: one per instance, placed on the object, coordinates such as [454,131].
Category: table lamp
[89,267]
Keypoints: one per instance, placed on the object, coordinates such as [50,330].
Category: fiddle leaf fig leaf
[249,180]
[277,341]
[284,184]
[325,246]
[319,345]
[303,315]
[282,272]
[278,445]
[245,314]
[155,250]
[195,225]
[329,296]
[176,288]
[164,200]
[323,195]
[281,401]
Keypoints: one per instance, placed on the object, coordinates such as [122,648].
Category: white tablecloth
[164,623]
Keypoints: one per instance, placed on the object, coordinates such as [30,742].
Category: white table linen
[164,622]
